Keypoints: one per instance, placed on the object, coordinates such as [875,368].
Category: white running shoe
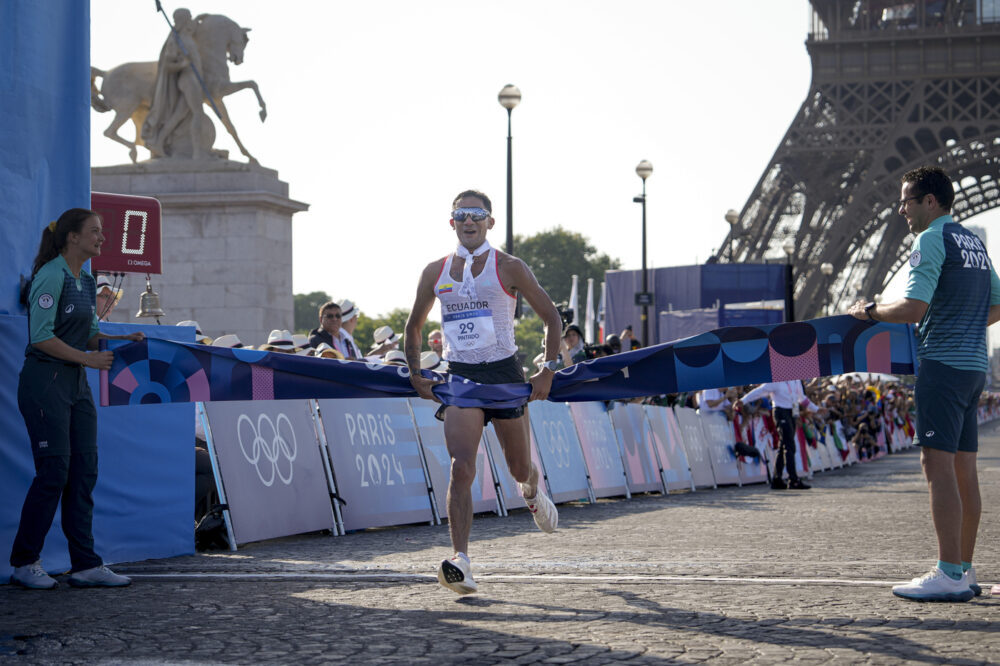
[973,583]
[98,577]
[33,577]
[935,585]
[542,509]
[456,575]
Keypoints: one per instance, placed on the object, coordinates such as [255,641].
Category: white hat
[300,341]
[323,348]
[431,361]
[383,335]
[198,335]
[230,340]
[308,351]
[280,339]
[348,310]
[104,283]
[395,357]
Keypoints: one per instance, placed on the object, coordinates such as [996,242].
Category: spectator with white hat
[431,361]
[279,340]
[348,322]
[229,340]
[107,297]
[395,357]
[301,342]
[199,337]
[326,351]
[385,341]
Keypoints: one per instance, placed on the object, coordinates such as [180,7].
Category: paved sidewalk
[732,575]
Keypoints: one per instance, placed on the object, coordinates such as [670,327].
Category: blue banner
[157,371]
[44,127]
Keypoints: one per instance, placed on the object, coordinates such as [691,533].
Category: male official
[788,398]
[954,294]
[477,286]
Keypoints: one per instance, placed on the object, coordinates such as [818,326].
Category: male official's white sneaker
[456,575]
[542,509]
[935,585]
[973,583]
[33,577]
[98,577]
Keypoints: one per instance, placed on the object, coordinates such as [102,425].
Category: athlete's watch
[550,365]
[869,308]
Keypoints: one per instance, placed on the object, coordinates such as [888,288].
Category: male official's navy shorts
[947,404]
[504,371]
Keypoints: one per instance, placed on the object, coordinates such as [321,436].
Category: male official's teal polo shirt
[951,272]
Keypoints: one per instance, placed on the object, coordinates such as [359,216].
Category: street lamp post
[733,218]
[827,270]
[510,97]
[644,170]
[789,247]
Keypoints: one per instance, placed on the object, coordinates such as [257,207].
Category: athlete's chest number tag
[470,329]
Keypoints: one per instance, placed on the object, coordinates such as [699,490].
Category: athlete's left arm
[516,275]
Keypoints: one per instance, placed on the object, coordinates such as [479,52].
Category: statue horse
[128,89]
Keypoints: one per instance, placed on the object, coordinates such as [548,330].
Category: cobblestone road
[734,575]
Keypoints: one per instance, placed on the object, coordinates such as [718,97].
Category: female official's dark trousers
[58,409]
[785,421]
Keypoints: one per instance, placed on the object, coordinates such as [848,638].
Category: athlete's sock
[966,566]
[954,571]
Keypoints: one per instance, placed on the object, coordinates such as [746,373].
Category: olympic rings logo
[271,446]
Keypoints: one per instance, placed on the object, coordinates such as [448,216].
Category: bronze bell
[149,303]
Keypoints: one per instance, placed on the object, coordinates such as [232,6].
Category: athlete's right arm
[413,342]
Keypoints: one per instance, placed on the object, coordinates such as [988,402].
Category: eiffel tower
[895,85]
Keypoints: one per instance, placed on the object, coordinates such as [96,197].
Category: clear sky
[380,112]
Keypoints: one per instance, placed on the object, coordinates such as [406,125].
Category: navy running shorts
[947,402]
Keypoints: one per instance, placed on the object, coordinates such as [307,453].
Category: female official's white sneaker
[33,577]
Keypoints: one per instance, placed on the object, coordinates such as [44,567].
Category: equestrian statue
[165,99]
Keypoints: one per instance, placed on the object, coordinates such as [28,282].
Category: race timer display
[131,231]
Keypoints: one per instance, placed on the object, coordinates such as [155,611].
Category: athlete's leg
[946,503]
[968,490]
[463,428]
[516,443]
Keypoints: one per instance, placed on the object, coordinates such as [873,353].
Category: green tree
[529,335]
[364,334]
[556,255]
[307,310]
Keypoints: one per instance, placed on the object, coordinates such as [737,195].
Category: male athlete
[477,286]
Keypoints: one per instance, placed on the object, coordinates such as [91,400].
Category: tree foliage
[307,310]
[556,255]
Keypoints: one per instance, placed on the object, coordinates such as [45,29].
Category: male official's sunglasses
[478,214]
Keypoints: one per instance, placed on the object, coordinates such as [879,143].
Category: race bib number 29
[472,329]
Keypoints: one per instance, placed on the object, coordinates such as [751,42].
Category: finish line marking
[560,578]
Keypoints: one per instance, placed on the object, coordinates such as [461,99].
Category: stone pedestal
[227,244]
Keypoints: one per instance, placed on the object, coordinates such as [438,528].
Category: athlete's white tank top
[479,330]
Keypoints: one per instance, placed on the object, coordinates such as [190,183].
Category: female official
[55,400]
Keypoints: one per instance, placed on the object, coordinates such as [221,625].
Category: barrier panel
[721,441]
[642,469]
[852,454]
[559,448]
[510,494]
[832,450]
[431,434]
[821,449]
[666,437]
[696,447]
[270,467]
[600,449]
[814,457]
[376,461]
[752,470]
